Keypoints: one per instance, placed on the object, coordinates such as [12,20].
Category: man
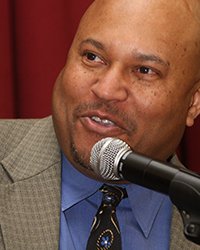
[133,72]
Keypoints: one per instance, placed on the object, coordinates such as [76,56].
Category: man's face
[130,74]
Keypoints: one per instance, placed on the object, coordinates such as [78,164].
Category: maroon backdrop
[34,38]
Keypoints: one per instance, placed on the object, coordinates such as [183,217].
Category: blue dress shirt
[144,217]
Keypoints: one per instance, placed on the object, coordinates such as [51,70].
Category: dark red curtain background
[34,39]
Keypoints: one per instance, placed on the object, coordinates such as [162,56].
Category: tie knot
[112,195]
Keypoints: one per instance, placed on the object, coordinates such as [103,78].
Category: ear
[194,109]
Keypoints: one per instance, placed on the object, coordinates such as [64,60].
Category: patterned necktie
[105,232]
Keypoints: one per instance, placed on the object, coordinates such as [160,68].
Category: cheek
[75,84]
[154,103]
[160,114]
[160,127]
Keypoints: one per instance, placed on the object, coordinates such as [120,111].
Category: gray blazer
[30,175]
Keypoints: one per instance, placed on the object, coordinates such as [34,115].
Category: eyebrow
[93,42]
[136,54]
[150,57]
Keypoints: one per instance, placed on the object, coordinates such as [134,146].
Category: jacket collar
[37,151]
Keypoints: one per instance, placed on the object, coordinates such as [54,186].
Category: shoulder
[13,131]
[178,240]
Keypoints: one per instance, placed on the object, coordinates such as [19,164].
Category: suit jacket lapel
[31,210]
[35,153]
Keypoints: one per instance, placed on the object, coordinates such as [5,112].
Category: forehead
[193,6]
[175,15]
[149,22]
[190,6]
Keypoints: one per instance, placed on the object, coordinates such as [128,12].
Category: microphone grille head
[105,157]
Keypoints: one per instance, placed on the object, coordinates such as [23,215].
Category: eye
[146,73]
[89,56]
[145,70]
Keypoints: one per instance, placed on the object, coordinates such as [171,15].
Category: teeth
[103,121]
[107,122]
[96,119]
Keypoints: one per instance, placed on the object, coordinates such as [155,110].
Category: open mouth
[103,122]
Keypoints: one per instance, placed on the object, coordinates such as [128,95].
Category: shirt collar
[145,205]
[76,184]
[144,202]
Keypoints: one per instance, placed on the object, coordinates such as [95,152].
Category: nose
[111,86]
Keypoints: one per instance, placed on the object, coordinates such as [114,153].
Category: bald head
[188,11]
[193,6]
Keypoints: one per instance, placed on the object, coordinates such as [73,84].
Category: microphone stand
[185,195]
[180,184]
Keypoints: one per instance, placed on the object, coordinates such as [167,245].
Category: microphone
[113,159]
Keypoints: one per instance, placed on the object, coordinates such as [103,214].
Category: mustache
[109,108]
